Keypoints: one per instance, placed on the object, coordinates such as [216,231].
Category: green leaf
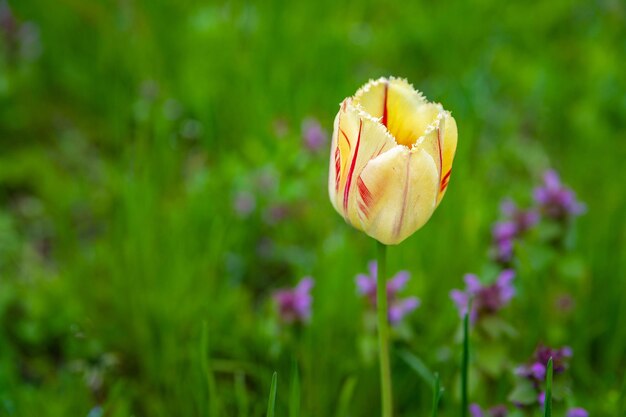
[523,393]
[571,267]
[548,401]
[437,392]
[418,366]
[345,397]
[271,404]
[492,359]
[495,327]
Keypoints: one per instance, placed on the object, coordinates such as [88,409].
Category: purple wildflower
[499,411]
[397,308]
[476,411]
[486,300]
[314,136]
[504,231]
[244,204]
[536,369]
[556,200]
[496,411]
[503,250]
[541,398]
[294,304]
[577,412]
[523,219]
[276,213]
[517,222]
[8,23]
[565,303]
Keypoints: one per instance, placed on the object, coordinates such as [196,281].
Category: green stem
[436,395]
[547,403]
[383,332]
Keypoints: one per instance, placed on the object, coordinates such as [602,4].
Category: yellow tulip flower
[391,159]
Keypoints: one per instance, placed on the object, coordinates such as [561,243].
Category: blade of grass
[345,397]
[432,379]
[271,404]
[547,405]
[418,366]
[294,394]
[465,363]
[436,395]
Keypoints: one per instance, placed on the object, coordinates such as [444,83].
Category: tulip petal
[373,97]
[402,109]
[439,140]
[397,193]
[357,138]
[450,135]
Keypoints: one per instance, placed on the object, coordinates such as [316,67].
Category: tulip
[391,159]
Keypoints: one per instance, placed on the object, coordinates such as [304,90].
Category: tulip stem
[383,332]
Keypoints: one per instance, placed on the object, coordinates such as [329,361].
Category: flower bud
[391,159]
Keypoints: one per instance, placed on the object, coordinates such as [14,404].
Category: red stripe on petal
[346,137]
[337,168]
[440,154]
[346,192]
[445,180]
[398,226]
[385,118]
[364,209]
[366,196]
[379,150]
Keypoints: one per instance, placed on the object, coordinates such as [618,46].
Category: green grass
[124,141]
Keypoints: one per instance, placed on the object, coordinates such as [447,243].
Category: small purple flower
[536,370]
[294,304]
[276,213]
[499,411]
[556,200]
[244,203]
[476,411]
[565,303]
[8,23]
[496,411]
[486,300]
[314,136]
[517,222]
[504,230]
[397,308]
[577,412]
[503,250]
[523,219]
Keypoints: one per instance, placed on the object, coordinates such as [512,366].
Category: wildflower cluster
[553,201]
[485,299]
[398,308]
[294,304]
[536,370]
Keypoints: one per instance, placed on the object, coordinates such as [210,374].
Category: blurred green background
[154,182]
